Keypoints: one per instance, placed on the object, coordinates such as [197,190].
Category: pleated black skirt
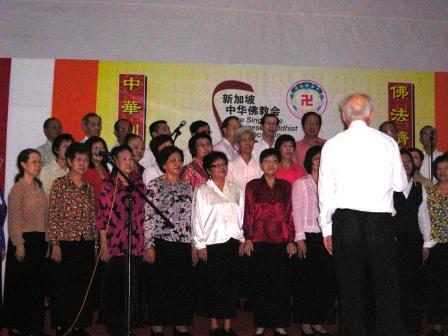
[171,293]
[437,285]
[410,279]
[218,281]
[72,276]
[271,283]
[25,285]
[314,284]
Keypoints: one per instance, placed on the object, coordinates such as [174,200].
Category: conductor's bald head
[357,106]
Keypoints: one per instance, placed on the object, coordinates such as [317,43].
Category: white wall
[400,34]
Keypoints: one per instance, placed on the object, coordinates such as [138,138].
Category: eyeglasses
[218,165]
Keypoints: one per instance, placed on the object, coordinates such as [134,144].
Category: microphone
[102,153]
[177,129]
[432,135]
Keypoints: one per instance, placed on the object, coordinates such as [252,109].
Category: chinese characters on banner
[235,98]
[132,101]
[401,111]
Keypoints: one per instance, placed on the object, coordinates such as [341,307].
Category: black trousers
[314,284]
[218,281]
[171,300]
[437,285]
[115,273]
[271,283]
[365,261]
[72,276]
[24,285]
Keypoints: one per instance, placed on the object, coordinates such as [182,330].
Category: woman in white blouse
[314,291]
[217,220]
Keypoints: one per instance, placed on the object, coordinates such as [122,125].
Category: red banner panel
[401,111]
[132,101]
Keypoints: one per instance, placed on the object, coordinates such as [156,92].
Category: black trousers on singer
[365,261]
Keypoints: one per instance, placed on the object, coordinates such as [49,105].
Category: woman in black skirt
[71,231]
[269,233]
[112,222]
[314,289]
[24,282]
[168,246]
[217,220]
[412,227]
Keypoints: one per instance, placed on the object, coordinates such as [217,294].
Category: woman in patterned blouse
[71,231]
[24,281]
[113,204]
[168,246]
[193,173]
[437,265]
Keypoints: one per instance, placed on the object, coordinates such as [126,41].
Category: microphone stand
[130,198]
[431,154]
[176,135]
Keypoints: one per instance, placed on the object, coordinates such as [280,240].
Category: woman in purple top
[113,204]
[314,290]
[168,246]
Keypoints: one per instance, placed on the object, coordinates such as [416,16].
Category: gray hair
[243,130]
[348,109]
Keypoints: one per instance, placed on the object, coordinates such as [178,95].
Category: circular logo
[306,96]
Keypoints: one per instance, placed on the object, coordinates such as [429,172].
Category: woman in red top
[98,170]
[269,233]
[287,169]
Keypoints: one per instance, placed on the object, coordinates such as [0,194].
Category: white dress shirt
[150,173]
[226,147]
[360,168]
[424,222]
[217,216]
[426,165]
[260,146]
[241,172]
[148,159]
[46,154]
[49,173]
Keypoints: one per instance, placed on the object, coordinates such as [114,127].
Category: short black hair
[309,114]
[76,148]
[407,152]
[85,119]
[437,161]
[194,139]
[154,127]
[158,141]
[267,115]
[90,142]
[117,123]
[58,141]
[227,120]
[117,150]
[310,154]
[282,139]
[49,120]
[269,152]
[419,151]
[425,127]
[210,158]
[387,122]
[131,136]
[163,156]
[195,125]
